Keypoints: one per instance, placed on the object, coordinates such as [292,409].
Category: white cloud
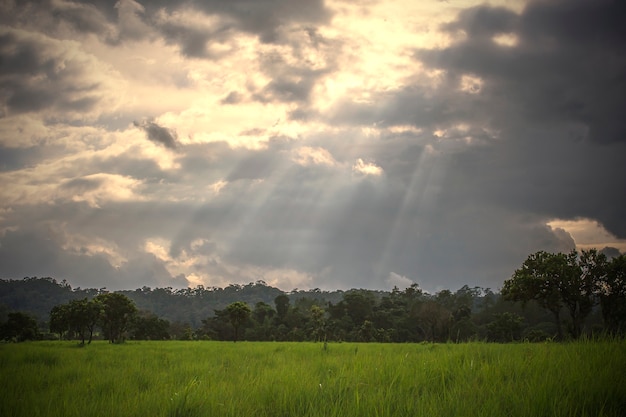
[588,233]
[307,155]
[58,79]
[397,280]
[367,168]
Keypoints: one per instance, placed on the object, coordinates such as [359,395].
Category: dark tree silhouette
[118,312]
[238,313]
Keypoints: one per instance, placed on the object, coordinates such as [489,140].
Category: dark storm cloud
[52,18]
[566,77]
[192,41]
[545,121]
[417,105]
[84,18]
[107,19]
[484,21]
[18,158]
[568,65]
[38,74]
[81,185]
[610,252]
[548,173]
[295,70]
[265,17]
[158,134]
[292,86]
[233,97]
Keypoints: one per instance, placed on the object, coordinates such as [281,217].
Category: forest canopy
[551,296]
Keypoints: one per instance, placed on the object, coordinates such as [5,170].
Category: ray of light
[418,198]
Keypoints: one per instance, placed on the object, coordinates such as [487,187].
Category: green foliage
[118,313]
[60,319]
[238,313]
[147,326]
[282,305]
[584,294]
[612,294]
[507,327]
[36,296]
[83,315]
[434,320]
[19,327]
[571,282]
[538,279]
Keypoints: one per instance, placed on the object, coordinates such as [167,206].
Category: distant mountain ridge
[37,296]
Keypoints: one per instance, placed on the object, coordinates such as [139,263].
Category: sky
[307,143]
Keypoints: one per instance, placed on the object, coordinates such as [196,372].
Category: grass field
[304,379]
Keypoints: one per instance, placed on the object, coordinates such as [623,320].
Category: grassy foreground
[304,379]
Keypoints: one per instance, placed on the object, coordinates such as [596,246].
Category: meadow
[223,379]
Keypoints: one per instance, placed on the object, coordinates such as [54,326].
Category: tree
[118,312]
[318,321]
[506,327]
[612,294]
[148,326]
[434,319]
[77,316]
[579,289]
[83,315]
[262,312]
[238,313]
[559,280]
[538,279]
[282,306]
[60,319]
[19,327]
[358,305]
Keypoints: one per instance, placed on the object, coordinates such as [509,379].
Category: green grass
[302,379]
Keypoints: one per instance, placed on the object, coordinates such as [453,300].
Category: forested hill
[37,296]
[550,295]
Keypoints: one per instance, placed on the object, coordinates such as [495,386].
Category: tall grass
[303,379]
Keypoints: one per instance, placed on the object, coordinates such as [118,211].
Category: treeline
[551,296]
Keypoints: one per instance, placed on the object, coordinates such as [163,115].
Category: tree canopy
[118,313]
[551,295]
[573,282]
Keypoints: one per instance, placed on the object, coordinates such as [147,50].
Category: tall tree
[118,312]
[435,320]
[238,313]
[83,315]
[612,294]
[579,288]
[60,319]
[538,279]
[318,321]
[19,327]
[558,280]
[506,327]
[148,326]
[358,306]
[282,306]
